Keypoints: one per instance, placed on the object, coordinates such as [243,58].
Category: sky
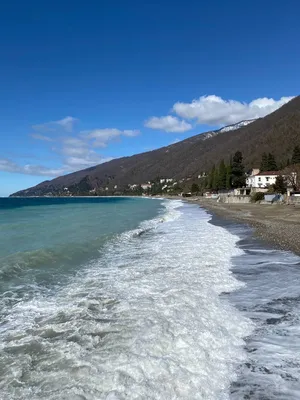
[84,82]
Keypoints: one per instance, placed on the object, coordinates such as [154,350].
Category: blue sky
[84,82]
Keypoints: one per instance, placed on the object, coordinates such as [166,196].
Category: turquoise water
[46,239]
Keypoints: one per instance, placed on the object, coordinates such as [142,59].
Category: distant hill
[277,133]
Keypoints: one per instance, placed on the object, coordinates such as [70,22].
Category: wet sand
[277,224]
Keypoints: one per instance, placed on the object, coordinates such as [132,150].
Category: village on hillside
[229,182]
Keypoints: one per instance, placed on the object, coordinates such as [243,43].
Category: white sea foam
[145,321]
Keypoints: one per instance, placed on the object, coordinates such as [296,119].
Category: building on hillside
[166,180]
[146,186]
[133,187]
[262,180]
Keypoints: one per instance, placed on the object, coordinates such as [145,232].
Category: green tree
[280,185]
[156,188]
[272,165]
[296,155]
[215,183]
[177,189]
[228,176]
[281,166]
[264,162]
[210,178]
[238,171]
[222,175]
[195,188]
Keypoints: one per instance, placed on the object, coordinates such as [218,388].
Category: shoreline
[278,225]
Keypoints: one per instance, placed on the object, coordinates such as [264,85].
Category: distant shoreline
[276,224]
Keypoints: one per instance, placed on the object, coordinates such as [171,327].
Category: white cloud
[77,163]
[29,169]
[41,137]
[72,146]
[168,124]
[76,152]
[66,124]
[100,137]
[130,132]
[213,110]
[70,164]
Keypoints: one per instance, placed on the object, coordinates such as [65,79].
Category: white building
[262,180]
[166,180]
[146,186]
[132,187]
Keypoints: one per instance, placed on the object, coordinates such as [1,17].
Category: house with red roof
[262,180]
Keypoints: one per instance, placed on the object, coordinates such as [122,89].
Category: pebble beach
[278,224]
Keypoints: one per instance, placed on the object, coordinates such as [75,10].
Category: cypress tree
[264,162]
[228,176]
[238,171]
[280,185]
[296,155]
[195,188]
[215,184]
[211,178]
[222,175]
[272,165]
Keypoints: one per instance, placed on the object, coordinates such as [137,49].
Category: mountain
[277,133]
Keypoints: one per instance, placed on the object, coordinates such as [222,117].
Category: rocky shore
[278,224]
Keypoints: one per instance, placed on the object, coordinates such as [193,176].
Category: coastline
[275,224]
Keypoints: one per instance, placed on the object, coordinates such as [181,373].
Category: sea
[139,298]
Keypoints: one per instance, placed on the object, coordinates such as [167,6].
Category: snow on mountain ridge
[237,125]
[227,128]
